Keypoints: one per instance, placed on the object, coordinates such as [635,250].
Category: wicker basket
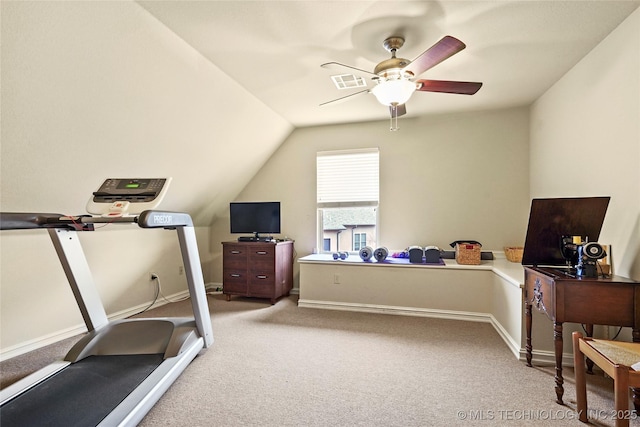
[514,253]
[468,253]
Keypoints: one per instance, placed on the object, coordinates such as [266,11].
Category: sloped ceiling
[518,49]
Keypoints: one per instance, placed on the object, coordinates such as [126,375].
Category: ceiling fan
[394,77]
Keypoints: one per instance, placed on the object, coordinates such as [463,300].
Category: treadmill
[117,371]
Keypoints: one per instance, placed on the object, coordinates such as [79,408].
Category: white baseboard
[403,311]
[539,357]
[45,340]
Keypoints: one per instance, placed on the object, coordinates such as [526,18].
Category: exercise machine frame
[179,340]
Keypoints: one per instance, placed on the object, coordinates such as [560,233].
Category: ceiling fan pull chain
[394,118]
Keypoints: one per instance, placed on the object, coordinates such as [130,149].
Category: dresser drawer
[263,288]
[262,258]
[232,276]
[236,252]
[234,264]
[259,279]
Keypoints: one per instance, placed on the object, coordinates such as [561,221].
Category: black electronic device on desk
[563,233]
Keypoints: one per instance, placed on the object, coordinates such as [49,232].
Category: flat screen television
[255,218]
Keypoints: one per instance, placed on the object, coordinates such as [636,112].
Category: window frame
[372,201]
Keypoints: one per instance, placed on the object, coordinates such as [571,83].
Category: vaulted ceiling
[274,49]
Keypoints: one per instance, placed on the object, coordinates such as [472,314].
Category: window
[359,241]
[347,198]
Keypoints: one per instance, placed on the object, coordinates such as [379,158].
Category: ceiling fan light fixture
[393,92]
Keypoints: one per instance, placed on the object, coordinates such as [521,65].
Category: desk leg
[557,339]
[635,392]
[589,330]
[528,319]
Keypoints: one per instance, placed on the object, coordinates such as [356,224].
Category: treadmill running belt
[82,394]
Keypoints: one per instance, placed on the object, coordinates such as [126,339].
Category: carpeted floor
[282,365]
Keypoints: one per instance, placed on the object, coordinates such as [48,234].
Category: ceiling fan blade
[345,98]
[337,65]
[401,110]
[445,48]
[462,88]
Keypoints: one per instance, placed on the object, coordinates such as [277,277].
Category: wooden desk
[563,298]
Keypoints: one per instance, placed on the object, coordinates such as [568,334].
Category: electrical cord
[162,295]
[610,339]
[602,273]
[617,333]
[158,294]
[155,298]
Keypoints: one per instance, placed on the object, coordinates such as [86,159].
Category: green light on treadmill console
[133,185]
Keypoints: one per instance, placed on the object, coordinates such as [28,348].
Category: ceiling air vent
[348,81]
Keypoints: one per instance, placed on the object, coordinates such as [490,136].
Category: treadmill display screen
[144,193]
[131,184]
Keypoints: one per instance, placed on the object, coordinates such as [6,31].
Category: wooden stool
[615,359]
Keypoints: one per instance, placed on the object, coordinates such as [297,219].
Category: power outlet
[152,276]
[336,279]
[180,270]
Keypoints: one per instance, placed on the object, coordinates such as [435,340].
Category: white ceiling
[274,49]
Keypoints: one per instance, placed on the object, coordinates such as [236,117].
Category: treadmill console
[118,197]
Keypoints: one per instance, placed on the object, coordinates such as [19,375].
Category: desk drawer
[598,304]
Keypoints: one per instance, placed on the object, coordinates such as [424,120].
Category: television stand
[257,269]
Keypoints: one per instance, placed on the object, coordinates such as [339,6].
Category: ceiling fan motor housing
[391,68]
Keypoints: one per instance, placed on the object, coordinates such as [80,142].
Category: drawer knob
[261,276]
[261,252]
[235,275]
[236,252]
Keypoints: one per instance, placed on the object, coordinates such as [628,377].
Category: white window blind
[347,177]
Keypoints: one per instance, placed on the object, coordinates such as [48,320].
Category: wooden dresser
[257,269]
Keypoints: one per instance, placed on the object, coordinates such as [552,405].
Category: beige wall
[96,90]
[585,139]
[442,178]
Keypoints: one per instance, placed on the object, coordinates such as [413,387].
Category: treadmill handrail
[28,220]
[147,219]
[164,219]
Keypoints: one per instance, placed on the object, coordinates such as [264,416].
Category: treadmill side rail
[183,225]
[195,281]
[31,380]
[75,266]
